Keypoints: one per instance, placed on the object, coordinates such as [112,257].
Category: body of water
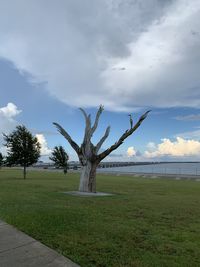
[163,168]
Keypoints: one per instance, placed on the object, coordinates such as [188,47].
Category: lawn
[148,222]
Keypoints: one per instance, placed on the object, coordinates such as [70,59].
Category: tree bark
[92,178]
[88,177]
[65,170]
[24,172]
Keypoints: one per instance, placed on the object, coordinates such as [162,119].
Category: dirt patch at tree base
[87,194]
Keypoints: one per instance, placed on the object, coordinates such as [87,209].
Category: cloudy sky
[130,56]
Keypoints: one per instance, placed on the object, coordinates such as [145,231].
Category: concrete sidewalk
[20,250]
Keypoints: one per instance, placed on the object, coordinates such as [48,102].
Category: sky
[130,56]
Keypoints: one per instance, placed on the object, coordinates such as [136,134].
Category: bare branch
[68,137]
[131,120]
[84,113]
[100,110]
[87,135]
[123,137]
[99,144]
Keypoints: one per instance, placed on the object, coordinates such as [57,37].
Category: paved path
[20,250]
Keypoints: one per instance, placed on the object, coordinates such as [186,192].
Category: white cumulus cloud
[179,148]
[8,117]
[9,111]
[123,54]
[8,121]
[131,151]
[45,151]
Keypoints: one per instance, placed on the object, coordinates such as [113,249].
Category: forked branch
[123,137]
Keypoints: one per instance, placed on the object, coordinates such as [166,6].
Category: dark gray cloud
[79,49]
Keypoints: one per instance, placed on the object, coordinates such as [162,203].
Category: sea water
[162,168]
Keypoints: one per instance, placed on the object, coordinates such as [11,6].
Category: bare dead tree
[88,153]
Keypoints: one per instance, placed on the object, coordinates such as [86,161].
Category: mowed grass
[148,222]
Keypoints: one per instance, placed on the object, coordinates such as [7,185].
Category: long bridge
[76,165]
[121,164]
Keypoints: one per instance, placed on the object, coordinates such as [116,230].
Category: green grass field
[148,222]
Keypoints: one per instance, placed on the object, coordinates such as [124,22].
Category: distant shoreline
[118,173]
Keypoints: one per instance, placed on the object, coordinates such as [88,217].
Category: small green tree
[23,148]
[1,160]
[60,158]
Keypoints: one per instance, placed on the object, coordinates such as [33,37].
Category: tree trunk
[88,177]
[24,172]
[65,171]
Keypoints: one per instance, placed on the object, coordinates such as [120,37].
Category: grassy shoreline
[148,222]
